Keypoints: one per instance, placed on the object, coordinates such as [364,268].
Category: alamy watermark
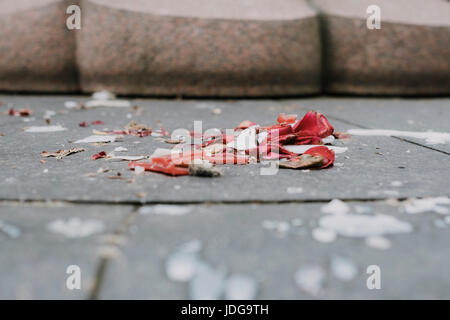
[374,280]
[73,22]
[73,281]
[374,19]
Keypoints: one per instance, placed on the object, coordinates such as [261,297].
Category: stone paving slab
[415,267]
[422,171]
[33,264]
[399,114]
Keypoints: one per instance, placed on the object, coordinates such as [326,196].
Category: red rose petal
[323,151]
[245,124]
[286,118]
[101,154]
[315,124]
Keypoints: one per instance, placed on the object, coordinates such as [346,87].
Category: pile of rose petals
[251,143]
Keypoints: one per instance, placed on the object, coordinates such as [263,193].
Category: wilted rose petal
[101,154]
[341,135]
[314,124]
[20,112]
[245,124]
[168,168]
[286,118]
[323,151]
[303,162]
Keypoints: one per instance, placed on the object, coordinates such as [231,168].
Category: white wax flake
[413,206]
[343,268]
[103,95]
[98,139]
[45,171]
[279,226]
[10,230]
[378,242]
[71,104]
[107,103]
[299,149]
[120,149]
[207,283]
[310,279]
[49,113]
[126,158]
[296,222]
[245,140]
[328,140]
[240,287]
[438,223]
[324,235]
[166,209]
[139,170]
[430,137]
[363,209]
[42,129]
[294,190]
[76,227]
[182,265]
[335,206]
[447,220]
[161,152]
[396,183]
[352,225]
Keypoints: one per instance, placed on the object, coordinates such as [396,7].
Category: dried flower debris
[94,123]
[61,153]
[20,113]
[298,144]
[138,130]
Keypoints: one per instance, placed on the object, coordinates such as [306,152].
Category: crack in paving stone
[110,249]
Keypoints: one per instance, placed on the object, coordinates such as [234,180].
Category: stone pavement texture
[226,48]
[63,212]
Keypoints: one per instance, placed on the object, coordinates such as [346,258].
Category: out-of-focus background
[226,48]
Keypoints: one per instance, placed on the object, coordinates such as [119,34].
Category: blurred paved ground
[43,203]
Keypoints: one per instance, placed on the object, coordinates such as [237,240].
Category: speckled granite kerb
[37,51]
[141,52]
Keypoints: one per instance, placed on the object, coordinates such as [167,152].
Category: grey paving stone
[415,267]
[33,265]
[366,170]
[380,113]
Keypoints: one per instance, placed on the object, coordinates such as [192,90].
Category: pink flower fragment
[100,155]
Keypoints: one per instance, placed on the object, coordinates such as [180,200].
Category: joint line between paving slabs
[395,137]
[102,266]
[201,202]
